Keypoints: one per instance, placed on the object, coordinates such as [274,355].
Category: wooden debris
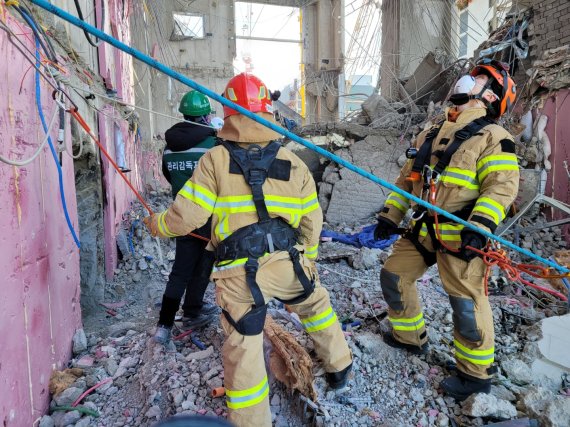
[289,361]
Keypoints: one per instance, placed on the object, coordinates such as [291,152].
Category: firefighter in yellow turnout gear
[471,165]
[266,223]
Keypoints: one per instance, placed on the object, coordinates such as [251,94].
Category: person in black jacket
[186,142]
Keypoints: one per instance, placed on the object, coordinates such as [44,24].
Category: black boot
[389,339]
[463,385]
[337,380]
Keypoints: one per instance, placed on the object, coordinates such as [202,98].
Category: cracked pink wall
[117,69]
[39,262]
[39,302]
[557,108]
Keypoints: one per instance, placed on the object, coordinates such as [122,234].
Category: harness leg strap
[252,322]
[308,285]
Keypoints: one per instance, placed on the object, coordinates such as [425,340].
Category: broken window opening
[187,26]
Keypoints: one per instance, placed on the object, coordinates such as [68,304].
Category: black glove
[385,229]
[473,239]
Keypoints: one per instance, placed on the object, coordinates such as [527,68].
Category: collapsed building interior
[85,277]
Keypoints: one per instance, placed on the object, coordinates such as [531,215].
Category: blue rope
[224,101]
[51,147]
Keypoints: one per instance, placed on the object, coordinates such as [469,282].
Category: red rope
[514,270]
[500,259]
[96,386]
[84,125]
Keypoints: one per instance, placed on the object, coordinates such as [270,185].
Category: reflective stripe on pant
[472,316]
[474,334]
[398,281]
[244,365]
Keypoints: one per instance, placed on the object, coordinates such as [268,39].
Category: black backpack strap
[424,154]
[459,138]
[255,163]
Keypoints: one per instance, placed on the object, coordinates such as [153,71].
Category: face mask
[462,89]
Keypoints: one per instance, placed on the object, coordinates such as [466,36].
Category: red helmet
[248,92]
[500,82]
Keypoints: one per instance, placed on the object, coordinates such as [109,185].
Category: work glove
[384,229]
[151,224]
[473,239]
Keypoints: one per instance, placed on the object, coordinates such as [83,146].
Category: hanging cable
[44,4]
[87,129]
[52,149]
[20,163]
[80,15]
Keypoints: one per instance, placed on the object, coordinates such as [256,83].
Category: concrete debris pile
[539,240]
[377,155]
[119,377]
[431,80]
[552,71]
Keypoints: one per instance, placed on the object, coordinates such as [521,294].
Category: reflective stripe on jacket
[483,172]
[213,191]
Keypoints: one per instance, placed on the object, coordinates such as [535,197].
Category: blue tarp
[364,238]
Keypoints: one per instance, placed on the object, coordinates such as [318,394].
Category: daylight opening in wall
[187,26]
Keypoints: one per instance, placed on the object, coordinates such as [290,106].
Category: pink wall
[116,67]
[39,302]
[557,108]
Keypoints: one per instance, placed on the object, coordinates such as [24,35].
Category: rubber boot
[338,380]
[389,339]
[462,386]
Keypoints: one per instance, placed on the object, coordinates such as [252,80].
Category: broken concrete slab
[377,155]
[552,410]
[429,81]
[517,371]
[381,114]
[374,346]
[487,405]
[555,342]
[547,358]
[79,341]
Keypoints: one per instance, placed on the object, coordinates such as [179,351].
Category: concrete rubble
[146,383]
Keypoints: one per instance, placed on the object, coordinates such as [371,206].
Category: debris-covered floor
[142,383]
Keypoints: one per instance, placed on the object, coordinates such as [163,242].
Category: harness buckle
[430,175]
[462,134]
[257,176]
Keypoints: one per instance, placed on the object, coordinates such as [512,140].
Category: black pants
[191,274]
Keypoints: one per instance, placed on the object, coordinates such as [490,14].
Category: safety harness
[267,235]
[421,169]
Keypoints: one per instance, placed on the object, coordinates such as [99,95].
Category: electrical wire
[178,119]
[29,160]
[52,149]
[80,15]
[45,4]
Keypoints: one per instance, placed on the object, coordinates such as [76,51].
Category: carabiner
[422,213]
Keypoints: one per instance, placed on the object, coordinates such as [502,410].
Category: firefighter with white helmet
[467,166]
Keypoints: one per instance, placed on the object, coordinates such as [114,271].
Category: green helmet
[195,104]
